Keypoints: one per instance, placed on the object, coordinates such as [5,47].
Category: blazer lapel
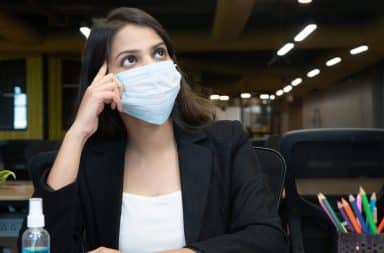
[195,168]
[106,173]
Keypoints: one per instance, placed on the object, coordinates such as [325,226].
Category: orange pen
[351,217]
[381,226]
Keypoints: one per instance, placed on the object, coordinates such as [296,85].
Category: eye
[128,61]
[160,53]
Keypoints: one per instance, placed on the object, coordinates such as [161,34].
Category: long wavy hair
[190,111]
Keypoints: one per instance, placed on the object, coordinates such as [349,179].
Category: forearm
[66,166]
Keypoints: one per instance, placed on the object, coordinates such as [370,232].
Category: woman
[143,168]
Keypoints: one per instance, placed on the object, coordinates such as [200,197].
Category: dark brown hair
[190,111]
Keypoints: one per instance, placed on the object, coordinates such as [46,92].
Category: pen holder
[352,243]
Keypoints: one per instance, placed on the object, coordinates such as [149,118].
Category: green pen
[367,210]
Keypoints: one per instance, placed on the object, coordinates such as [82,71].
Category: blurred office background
[230,50]
[275,65]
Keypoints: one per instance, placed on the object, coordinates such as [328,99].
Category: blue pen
[358,214]
[372,205]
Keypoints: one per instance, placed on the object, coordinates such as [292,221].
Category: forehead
[134,37]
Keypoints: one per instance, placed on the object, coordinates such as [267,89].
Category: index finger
[102,71]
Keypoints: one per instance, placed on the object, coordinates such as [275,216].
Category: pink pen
[358,202]
[359,206]
[326,211]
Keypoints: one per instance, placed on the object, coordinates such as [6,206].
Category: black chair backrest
[326,153]
[273,165]
[335,153]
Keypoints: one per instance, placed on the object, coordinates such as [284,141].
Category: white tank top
[151,224]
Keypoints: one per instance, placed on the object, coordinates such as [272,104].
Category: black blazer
[227,205]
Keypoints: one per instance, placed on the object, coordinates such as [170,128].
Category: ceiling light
[224,98]
[333,61]
[305,32]
[245,95]
[285,49]
[264,96]
[85,31]
[214,97]
[297,81]
[287,88]
[304,1]
[279,93]
[313,73]
[272,97]
[359,50]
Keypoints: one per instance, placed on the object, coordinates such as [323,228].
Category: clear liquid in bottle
[35,239]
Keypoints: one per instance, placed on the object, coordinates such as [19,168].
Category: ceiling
[227,46]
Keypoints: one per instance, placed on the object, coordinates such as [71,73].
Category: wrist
[76,133]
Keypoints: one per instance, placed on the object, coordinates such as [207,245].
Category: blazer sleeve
[63,216]
[255,226]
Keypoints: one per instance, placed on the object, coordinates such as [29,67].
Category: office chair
[274,167]
[325,153]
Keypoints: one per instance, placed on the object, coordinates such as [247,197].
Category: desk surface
[16,190]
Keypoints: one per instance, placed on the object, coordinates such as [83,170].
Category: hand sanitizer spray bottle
[35,238]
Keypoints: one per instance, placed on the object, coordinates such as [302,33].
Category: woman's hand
[104,250]
[104,89]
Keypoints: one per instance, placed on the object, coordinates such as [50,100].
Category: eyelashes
[159,53]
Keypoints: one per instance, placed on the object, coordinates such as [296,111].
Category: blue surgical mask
[150,91]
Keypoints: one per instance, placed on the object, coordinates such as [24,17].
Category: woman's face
[134,46]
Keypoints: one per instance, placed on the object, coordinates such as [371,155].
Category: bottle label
[36,250]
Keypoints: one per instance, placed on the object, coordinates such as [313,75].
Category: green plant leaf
[4,174]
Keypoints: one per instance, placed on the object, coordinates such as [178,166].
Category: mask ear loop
[177,67]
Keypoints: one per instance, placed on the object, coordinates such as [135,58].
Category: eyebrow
[136,50]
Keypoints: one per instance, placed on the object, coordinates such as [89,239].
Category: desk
[16,190]
[15,194]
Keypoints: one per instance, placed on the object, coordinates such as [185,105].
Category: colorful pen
[372,205]
[345,217]
[381,226]
[326,211]
[358,214]
[351,216]
[339,226]
[367,210]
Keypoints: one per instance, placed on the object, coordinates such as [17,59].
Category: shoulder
[225,128]
[226,132]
